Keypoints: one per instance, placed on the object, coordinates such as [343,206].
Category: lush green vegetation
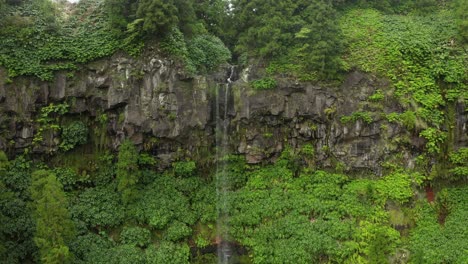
[38,37]
[281,213]
[119,208]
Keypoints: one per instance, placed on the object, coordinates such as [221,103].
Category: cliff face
[153,103]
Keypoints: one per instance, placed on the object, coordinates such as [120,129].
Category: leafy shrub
[126,254]
[73,135]
[377,96]
[177,230]
[207,52]
[135,236]
[106,171]
[396,187]
[184,168]
[376,242]
[301,219]
[459,159]
[308,150]
[364,116]
[408,119]
[98,207]
[161,203]
[18,176]
[67,177]
[434,138]
[203,203]
[168,252]
[16,230]
[429,241]
[174,44]
[146,160]
[49,119]
[91,247]
[264,84]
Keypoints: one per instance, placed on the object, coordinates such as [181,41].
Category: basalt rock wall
[171,115]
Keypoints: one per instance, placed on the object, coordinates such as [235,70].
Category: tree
[54,228]
[302,33]
[461,15]
[319,43]
[127,171]
[157,16]
[187,20]
[266,28]
[17,225]
[120,13]
[212,13]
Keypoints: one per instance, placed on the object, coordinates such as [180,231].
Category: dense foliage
[117,208]
[280,213]
[39,37]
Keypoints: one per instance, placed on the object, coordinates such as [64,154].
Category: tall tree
[157,16]
[17,225]
[120,13]
[187,20]
[266,28]
[54,228]
[319,43]
[212,13]
[303,32]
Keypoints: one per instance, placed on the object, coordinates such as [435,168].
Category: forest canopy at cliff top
[302,38]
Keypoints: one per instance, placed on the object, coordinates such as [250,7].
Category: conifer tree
[319,42]
[157,16]
[54,228]
[266,28]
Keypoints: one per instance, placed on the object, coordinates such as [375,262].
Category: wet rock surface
[171,115]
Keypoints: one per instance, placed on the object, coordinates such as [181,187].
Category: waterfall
[225,251]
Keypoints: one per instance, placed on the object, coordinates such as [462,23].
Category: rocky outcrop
[152,102]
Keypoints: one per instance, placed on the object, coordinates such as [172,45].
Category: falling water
[222,183]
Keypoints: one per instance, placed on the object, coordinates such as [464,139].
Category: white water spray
[225,250]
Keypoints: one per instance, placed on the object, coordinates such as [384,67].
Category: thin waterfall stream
[225,250]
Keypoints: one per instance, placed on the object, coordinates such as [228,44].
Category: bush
[99,207]
[377,96]
[168,252]
[184,168]
[73,135]
[177,230]
[207,52]
[91,248]
[135,236]
[67,177]
[264,84]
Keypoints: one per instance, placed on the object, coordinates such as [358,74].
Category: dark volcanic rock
[171,115]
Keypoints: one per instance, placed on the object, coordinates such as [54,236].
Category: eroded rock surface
[153,103]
